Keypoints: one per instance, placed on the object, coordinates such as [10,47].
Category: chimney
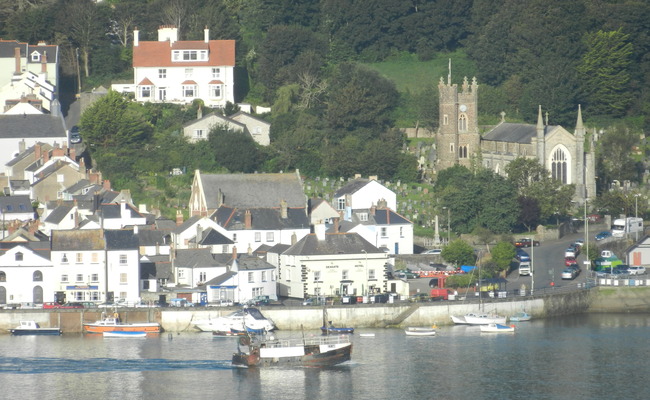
[319,230]
[46,156]
[336,225]
[135,229]
[123,213]
[107,184]
[250,250]
[37,151]
[294,238]
[248,220]
[44,64]
[199,233]
[179,217]
[382,203]
[17,59]
[373,209]
[283,209]
[136,37]
[234,252]
[199,112]
[372,177]
[72,153]
[21,146]
[206,35]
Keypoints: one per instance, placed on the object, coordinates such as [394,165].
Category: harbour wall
[599,299]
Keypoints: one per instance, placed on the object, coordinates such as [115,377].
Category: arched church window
[462,151]
[451,147]
[559,166]
[462,123]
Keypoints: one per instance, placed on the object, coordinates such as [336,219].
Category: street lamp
[588,262]
[636,213]
[532,265]
[448,224]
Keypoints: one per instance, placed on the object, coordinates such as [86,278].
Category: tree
[616,160]
[235,150]
[605,74]
[502,255]
[529,214]
[458,253]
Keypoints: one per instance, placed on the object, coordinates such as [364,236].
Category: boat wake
[42,365]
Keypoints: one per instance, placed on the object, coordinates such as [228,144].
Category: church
[565,155]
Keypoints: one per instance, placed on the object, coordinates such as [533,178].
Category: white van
[524,268]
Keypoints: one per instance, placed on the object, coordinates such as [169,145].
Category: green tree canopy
[458,253]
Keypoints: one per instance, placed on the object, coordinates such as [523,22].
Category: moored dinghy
[497,328]
[420,331]
[520,317]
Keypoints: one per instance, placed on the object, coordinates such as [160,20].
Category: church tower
[457,140]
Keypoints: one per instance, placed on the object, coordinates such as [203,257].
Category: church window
[559,165]
[445,119]
[462,123]
[462,151]
[451,147]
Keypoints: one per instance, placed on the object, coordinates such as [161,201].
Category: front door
[37,295]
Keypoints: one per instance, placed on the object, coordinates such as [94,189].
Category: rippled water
[576,357]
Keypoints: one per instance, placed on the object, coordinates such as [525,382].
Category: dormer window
[189,55]
[35,57]
[19,256]
[363,216]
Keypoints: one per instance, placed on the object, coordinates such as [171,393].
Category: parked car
[405,274]
[526,242]
[432,251]
[568,261]
[579,243]
[576,267]
[522,255]
[636,270]
[569,273]
[221,303]
[603,235]
[572,251]
[419,297]
[64,305]
[75,137]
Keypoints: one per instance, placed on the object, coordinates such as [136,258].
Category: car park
[636,270]
[603,235]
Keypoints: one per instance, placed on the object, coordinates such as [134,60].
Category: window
[60,178]
[251,277]
[216,73]
[162,93]
[462,151]
[78,296]
[19,256]
[462,123]
[162,73]
[94,258]
[340,204]
[198,134]
[123,278]
[317,276]
[371,274]
[3,276]
[263,276]
[64,258]
[445,119]
[94,296]
[123,295]
[401,231]
[145,91]
[189,55]
[202,276]
[559,166]
[79,278]
[80,258]
[181,274]
[145,285]
[451,147]
[269,236]
[215,91]
[36,56]
[234,237]
[188,73]
[94,277]
[64,278]
[383,231]
[224,248]
[189,90]
[258,236]
[37,276]
[123,259]
[345,275]
[363,216]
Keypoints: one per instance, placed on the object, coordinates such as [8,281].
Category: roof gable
[159,54]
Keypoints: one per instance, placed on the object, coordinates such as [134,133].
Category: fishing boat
[520,317]
[420,331]
[114,324]
[249,317]
[124,334]
[267,351]
[478,319]
[497,328]
[32,328]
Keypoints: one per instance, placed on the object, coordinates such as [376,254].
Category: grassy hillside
[411,75]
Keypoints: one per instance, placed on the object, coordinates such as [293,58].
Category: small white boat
[520,317]
[367,334]
[250,317]
[124,334]
[420,331]
[32,328]
[497,328]
[479,319]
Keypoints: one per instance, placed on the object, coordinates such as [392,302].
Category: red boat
[113,324]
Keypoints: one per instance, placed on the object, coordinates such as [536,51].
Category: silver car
[636,270]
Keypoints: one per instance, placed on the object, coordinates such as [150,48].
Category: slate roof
[221,279]
[165,224]
[214,237]
[15,205]
[57,215]
[152,237]
[247,262]
[186,224]
[261,218]
[29,152]
[158,54]
[42,248]
[113,210]
[278,248]
[383,216]
[19,184]
[253,190]
[334,243]
[352,187]
[156,267]
[515,133]
[224,120]
[77,240]
[195,258]
[121,239]
[33,125]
